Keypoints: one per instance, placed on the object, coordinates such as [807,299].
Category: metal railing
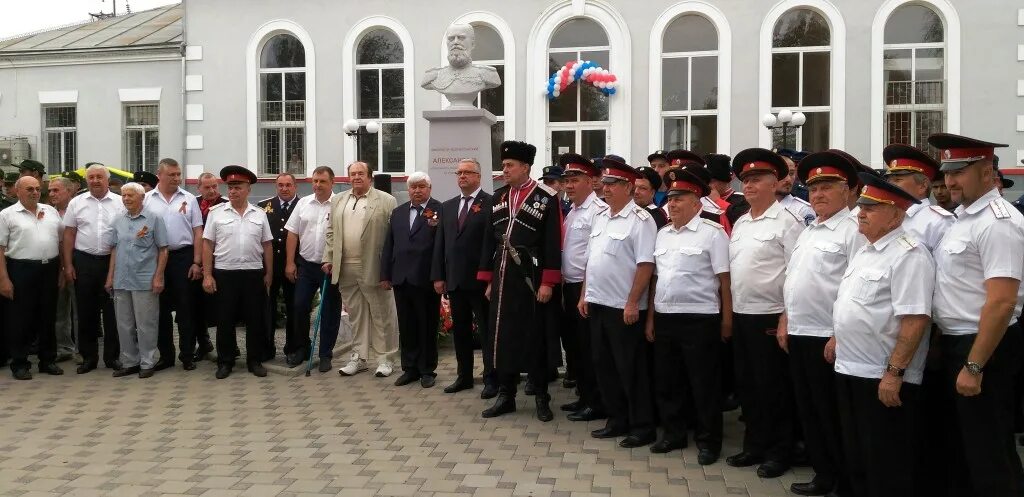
[283,112]
[915,92]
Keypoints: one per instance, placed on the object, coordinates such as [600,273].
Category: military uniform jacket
[278,217]
[534,231]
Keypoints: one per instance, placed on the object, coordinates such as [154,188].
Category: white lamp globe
[799,119]
[785,116]
[372,127]
[769,120]
[351,126]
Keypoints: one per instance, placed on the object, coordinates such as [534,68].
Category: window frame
[381,120]
[284,124]
[127,129]
[578,126]
[914,108]
[62,132]
[689,113]
[801,51]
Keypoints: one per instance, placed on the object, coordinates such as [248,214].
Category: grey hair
[207,175]
[67,183]
[921,180]
[475,163]
[133,187]
[98,167]
[417,177]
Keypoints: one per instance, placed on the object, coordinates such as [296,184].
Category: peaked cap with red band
[681,180]
[614,168]
[905,159]
[879,191]
[759,161]
[827,166]
[680,158]
[576,164]
[957,152]
[237,174]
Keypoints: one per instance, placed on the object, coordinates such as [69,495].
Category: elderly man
[978,299]
[913,171]
[881,314]
[815,270]
[62,190]
[279,209]
[203,313]
[304,249]
[182,222]
[88,226]
[761,244]
[355,237]
[138,257]
[30,234]
[238,265]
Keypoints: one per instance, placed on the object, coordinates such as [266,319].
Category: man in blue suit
[405,265]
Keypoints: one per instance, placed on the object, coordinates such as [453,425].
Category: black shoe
[568,383]
[203,351]
[51,369]
[743,460]
[85,367]
[664,446]
[586,414]
[490,391]
[257,369]
[22,374]
[572,406]
[529,389]
[406,378]
[163,364]
[461,383]
[114,365]
[706,457]
[730,403]
[772,469]
[188,366]
[223,370]
[504,405]
[148,373]
[634,441]
[325,364]
[294,359]
[609,432]
[544,409]
[125,371]
[427,381]
[813,487]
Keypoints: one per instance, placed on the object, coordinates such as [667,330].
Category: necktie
[464,212]
[418,209]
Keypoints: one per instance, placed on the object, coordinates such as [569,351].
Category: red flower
[475,208]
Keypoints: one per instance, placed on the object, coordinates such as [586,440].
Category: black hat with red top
[682,180]
[759,161]
[237,174]
[576,164]
[879,191]
[957,152]
[905,159]
[826,166]
[680,158]
[614,168]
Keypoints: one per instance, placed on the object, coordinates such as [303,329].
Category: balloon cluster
[581,70]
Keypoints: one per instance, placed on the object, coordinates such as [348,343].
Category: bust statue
[461,79]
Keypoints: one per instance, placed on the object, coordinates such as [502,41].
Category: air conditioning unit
[14,149]
[5,157]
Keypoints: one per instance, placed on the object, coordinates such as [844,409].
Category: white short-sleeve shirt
[758,253]
[928,223]
[237,240]
[688,261]
[886,280]
[985,241]
[578,223]
[309,221]
[93,218]
[800,207]
[618,243]
[180,215]
[28,236]
[815,269]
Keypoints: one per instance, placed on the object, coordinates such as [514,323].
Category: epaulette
[712,209]
[546,188]
[601,207]
[907,242]
[712,223]
[941,211]
[219,206]
[802,201]
[264,201]
[641,212]
[796,217]
[999,209]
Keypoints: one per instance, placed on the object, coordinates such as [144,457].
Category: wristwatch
[889,368]
[974,368]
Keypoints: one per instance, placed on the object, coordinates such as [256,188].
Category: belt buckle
[44,261]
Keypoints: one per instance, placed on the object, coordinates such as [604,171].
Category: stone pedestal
[458,134]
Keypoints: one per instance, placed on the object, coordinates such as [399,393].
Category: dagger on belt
[515,258]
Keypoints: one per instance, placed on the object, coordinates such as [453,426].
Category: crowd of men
[864,329]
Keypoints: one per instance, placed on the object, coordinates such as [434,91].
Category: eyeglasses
[465,173]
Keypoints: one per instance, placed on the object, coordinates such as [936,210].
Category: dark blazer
[206,213]
[457,252]
[278,217]
[408,251]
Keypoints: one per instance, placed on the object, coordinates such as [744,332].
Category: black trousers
[576,335]
[418,311]
[983,437]
[177,297]
[686,348]
[237,291]
[308,281]
[620,360]
[469,307]
[93,303]
[204,313]
[568,329]
[814,390]
[766,396]
[280,285]
[32,313]
[880,443]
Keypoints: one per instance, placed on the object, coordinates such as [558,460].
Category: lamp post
[785,121]
[353,129]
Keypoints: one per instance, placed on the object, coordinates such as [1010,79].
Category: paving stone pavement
[187,433]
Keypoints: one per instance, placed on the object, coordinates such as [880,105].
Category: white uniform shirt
[309,221]
[758,253]
[822,253]
[886,280]
[238,240]
[94,219]
[28,236]
[689,261]
[800,207]
[928,223]
[617,244]
[180,215]
[985,241]
[578,223]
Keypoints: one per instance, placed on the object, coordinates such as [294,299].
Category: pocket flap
[764,237]
[954,246]
[829,247]
[593,234]
[690,250]
[872,274]
[617,236]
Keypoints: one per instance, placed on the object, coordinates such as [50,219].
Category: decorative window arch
[915,77]
[618,49]
[505,128]
[660,52]
[792,39]
[280,120]
[377,75]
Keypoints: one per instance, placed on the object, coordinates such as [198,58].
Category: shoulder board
[600,207]
[712,223]
[796,217]
[907,242]
[641,213]
[265,201]
[546,188]
[999,209]
[219,206]
[801,201]
[712,209]
[941,211]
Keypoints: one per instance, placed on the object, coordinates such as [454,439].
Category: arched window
[380,96]
[490,51]
[689,85]
[914,68]
[801,77]
[282,106]
[578,119]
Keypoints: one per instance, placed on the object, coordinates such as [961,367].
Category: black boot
[544,408]
[505,404]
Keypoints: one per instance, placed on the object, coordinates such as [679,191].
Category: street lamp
[352,128]
[785,121]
